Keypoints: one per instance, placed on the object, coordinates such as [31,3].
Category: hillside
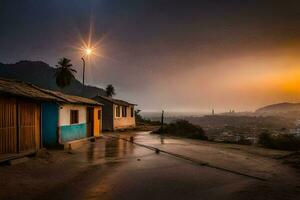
[41,74]
[280,108]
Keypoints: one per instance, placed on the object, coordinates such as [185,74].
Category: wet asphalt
[117,169]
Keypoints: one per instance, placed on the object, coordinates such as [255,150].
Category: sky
[185,56]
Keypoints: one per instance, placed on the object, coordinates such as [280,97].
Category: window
[117,111]
[124,111]
[99,114]
[74,117]
[132,112]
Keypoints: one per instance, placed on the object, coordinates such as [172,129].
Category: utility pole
[162,121]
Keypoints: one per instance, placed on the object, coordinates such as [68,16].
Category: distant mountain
[41,74]
[280,108]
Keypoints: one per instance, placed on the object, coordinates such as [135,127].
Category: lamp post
[88,51]
[83,71]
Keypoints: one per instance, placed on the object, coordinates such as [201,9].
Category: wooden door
[90,122]
[29,116]
[8,125]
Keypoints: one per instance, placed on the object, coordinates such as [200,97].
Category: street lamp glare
[88,51]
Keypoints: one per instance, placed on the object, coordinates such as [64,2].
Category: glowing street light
[88,51]
[89,48]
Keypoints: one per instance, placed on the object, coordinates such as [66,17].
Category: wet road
[113,168]
[118,169]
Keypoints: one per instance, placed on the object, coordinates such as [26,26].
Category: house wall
[8,125]
[19,117]
[107,114]
[107,117]
[123,122]
[29,125]
[64,114]
[49,123]
[68,131]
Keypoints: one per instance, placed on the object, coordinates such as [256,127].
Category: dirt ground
[111,167]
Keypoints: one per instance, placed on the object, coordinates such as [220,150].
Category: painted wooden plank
[7,125]
[29,126]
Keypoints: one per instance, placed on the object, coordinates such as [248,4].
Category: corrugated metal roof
[28,90]
[23,89]
[115,101]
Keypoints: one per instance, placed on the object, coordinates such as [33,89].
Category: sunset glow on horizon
[178,56]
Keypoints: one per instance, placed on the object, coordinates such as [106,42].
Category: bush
[282,142]
[286,142]
[183,128]
[244,141]
[265,139]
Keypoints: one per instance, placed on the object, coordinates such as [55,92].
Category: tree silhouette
[64,73]
[110,90]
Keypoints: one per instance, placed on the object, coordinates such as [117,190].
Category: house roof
[71,98]
[23,89]
[28,90]
[115,101]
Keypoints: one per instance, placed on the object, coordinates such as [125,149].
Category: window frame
[74,116]
[124,111]
[132,112]
[117,110]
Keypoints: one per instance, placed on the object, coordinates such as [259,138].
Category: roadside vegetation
[279,141]
[183,128]
[179,128]
[145,124]
[255,132]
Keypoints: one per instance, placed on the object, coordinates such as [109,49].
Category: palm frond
[64,73]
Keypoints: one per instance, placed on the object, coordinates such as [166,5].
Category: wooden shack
[20,117]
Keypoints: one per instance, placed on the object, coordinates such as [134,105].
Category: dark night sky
[177,55]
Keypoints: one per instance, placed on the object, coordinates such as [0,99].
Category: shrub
[286,142]
[265,139]
[244,141]
[282,142]
[183,128]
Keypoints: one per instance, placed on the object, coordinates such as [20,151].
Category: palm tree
[110,90]
[64,73]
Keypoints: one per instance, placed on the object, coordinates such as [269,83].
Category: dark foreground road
[113,168]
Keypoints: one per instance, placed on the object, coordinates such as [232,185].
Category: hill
[41,74]
[280,108]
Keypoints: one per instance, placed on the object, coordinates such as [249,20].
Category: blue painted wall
[72,132]
[49,123]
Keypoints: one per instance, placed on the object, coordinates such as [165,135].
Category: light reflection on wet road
[112,168]
[121,170]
